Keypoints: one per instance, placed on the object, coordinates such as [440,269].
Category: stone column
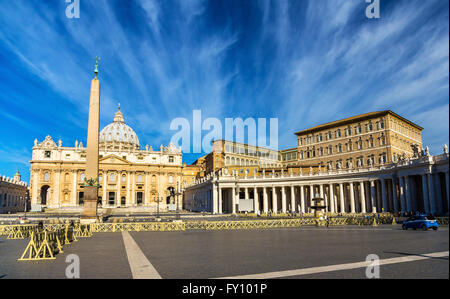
[274,200]
[426,203]
[302,199]
[352,199]
[402,195]
[265,200]
[332,210]
[129,201]
[311,196]
[104,196]
[35,196]
[74,188]
[56,197]
[383,196]
[431,193]
[408,195]
[447,189]
[255,200]
[133,189]
[283,199]
[321,190]
[394,194]
[246,193]
[146,191]
[220,200]
[215,200]
[373,198]
[119,182]
[233,200]
[362,197]
[293,199]
[341,197]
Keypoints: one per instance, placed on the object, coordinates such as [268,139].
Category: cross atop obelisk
[91,181]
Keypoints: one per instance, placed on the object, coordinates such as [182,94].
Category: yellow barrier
[442,220]
[43,245]
[139,226]
[20,231]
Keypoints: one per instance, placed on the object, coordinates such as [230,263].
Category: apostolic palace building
[368,163]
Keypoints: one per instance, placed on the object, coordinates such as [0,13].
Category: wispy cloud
[305,62]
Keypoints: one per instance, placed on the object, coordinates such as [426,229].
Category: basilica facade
[128,175]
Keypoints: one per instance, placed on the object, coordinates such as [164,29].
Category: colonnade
[373,195]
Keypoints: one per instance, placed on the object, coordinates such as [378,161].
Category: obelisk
[91,175]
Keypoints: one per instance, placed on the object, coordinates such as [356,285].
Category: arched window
[140,178]
[112,177]
[82,176]
[124,179]
[46,177]
[170,179]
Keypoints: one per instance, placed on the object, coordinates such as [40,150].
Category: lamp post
[176,193]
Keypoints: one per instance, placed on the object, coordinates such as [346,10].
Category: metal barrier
[44,245]
[20,231]
[442,220]
[138,226]
[244,224]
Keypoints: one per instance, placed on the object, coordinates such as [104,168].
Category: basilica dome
[118,135]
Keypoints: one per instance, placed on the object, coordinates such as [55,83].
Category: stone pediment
[47,143]
[113,159]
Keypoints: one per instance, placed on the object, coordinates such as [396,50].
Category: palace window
[124,179]
[82,177]
[47,154]
[383,158]
[46,177]
[319,137]
[360,143]
[358,129]
[339,148]
[360,162]
[370,141]
[170,159]
[338,133]
[112,177]
[329,135]
[140,178]
[170,179]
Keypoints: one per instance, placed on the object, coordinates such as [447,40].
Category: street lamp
[175,193]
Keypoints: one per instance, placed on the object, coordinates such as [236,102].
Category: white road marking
[314,270]
[140,266]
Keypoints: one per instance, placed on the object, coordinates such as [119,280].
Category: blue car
[422,222]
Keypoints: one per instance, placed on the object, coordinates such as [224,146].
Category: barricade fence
[45,244]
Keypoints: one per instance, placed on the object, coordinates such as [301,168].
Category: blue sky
[304,62]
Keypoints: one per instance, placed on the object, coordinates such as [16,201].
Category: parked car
[422,222]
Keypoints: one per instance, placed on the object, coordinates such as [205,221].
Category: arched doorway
[44,190]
